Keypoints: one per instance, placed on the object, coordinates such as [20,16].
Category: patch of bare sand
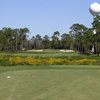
[67,50]
[34,50]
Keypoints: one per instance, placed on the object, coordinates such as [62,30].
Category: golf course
[49,82]
[50,50]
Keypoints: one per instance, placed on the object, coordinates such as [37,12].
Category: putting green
[50,84]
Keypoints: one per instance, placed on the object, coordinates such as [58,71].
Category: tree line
[79,38]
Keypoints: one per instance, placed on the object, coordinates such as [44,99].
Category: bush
[29,60]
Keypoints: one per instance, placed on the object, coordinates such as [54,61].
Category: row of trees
[56,41]
[13,39]
[80,38]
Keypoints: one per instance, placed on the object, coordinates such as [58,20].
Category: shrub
[29,60]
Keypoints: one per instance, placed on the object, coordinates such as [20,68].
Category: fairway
[44,53]
[51,84]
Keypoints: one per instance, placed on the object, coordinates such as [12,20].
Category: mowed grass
[49,82]
[44,53]
[52,82]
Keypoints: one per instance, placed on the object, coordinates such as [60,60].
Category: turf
[45,53]
[54,83]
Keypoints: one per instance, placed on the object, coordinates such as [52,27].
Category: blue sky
[45,16]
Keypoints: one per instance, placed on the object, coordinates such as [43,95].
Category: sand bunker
[67,50]
[35,50]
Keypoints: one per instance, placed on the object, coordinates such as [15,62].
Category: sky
[44,17]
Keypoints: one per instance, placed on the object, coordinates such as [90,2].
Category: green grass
[51,82]
[45,53]
[43,67]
